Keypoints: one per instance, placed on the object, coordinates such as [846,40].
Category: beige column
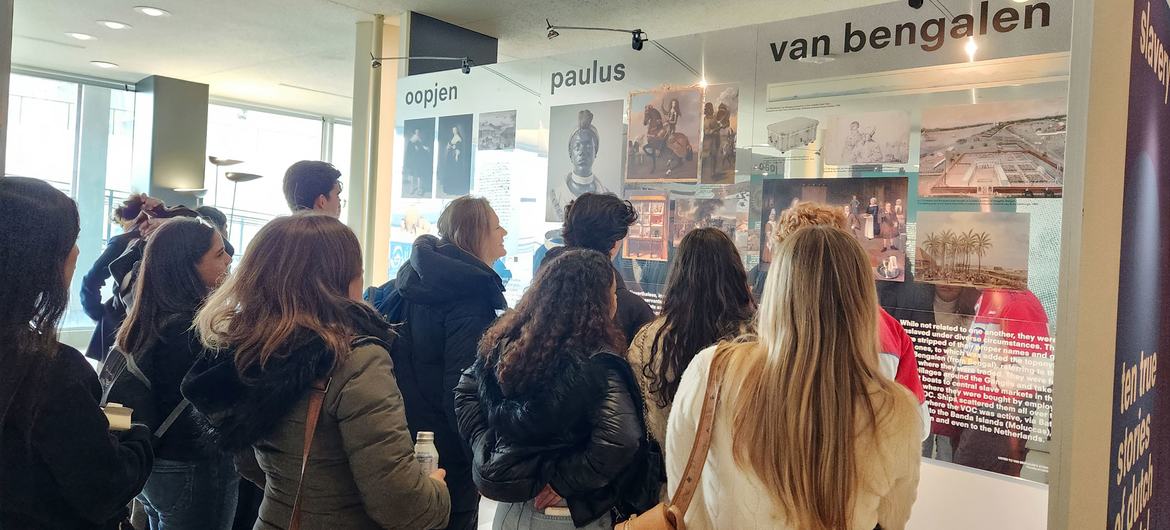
[1087,319]
[372,153]
[5,71]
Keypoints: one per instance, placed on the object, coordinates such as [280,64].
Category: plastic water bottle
[425,451]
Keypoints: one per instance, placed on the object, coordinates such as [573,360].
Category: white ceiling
[298,54]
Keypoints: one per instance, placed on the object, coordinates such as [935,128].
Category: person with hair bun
[584,144]
[125,215]
[444,298]
[551,408]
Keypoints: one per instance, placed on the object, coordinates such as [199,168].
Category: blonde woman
[808,433]
[288,326]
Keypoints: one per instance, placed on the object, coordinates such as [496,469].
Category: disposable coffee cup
[118,416]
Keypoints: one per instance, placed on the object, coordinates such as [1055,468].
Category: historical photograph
[727,212]
[973,249]
[584,153]
[665,131]
[868,138]
[720,123]
[648,237]
[1002,149]
[418,161]
[874,208]
[497,131]
[454,150]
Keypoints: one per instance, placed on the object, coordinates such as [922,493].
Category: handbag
[669,516]
[316,400]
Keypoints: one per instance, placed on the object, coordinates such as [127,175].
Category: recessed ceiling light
[103,64]
[152,11]
[817,59]
[80,36]
[113,24]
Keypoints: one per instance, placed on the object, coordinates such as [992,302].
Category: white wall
[959,498]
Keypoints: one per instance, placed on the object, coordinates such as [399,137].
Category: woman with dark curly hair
[600,221]
[552,414]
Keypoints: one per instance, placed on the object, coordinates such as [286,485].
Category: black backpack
[128,380]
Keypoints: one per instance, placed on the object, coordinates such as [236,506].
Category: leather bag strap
[698,459]
[316,400]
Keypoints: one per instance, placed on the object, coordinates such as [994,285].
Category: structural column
[5,71]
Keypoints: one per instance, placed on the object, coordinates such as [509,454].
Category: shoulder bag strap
[698,459]
[316,399]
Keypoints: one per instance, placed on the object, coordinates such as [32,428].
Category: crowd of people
[285,395]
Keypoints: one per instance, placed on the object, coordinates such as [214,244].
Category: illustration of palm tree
[983,244]
[930,247]
[948,246]
[967,241]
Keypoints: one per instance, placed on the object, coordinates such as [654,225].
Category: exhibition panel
[940,138]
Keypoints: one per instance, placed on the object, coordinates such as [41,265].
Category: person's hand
[439,475]
[150,225]
[547,497]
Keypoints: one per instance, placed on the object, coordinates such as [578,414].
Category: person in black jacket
[103,313]
[184,260]
[445,297]
[60,465]
[600,221]
[553,415]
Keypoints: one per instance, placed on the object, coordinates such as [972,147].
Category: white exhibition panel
[957,498]
[1022,64]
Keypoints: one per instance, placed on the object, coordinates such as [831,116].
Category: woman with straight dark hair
[192,485]
[808,432]
[552,413]
[60,465]
[445,297]
[707,300]
[297,354]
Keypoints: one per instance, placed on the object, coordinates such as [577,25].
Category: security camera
[375,63]
[466,66]
[916,4]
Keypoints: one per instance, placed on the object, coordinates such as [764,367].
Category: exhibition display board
[940,138]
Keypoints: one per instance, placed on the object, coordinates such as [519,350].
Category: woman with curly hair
[552,414]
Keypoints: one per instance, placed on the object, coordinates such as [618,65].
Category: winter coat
[633,312]
[95,279]
[581,431]
[361,473]
[444,298]
[165,363]
[71,472]
[122,267]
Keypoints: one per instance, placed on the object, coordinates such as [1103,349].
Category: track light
[916,4]
[465,63]
[638,37]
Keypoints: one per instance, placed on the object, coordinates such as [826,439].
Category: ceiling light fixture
[638,37]
[971,48]
[818,59]
[152,11]
[465,63]
[703,82]
[114,24]
[104,64]
[80,36]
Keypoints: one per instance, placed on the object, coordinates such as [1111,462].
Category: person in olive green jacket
[291,317]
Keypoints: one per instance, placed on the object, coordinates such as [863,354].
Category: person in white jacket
[808,433]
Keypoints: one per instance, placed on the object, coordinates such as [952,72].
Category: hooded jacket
[361,472]
[581,431]
[443,300]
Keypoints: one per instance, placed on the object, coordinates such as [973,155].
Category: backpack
[128,379]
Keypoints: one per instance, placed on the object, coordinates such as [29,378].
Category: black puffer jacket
[444,299]
[582,432]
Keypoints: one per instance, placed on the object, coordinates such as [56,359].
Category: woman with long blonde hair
[808,433]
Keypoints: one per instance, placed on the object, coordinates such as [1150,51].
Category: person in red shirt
[896,352]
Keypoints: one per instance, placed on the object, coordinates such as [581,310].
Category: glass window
[339,154]
[266,143]
[42,128]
